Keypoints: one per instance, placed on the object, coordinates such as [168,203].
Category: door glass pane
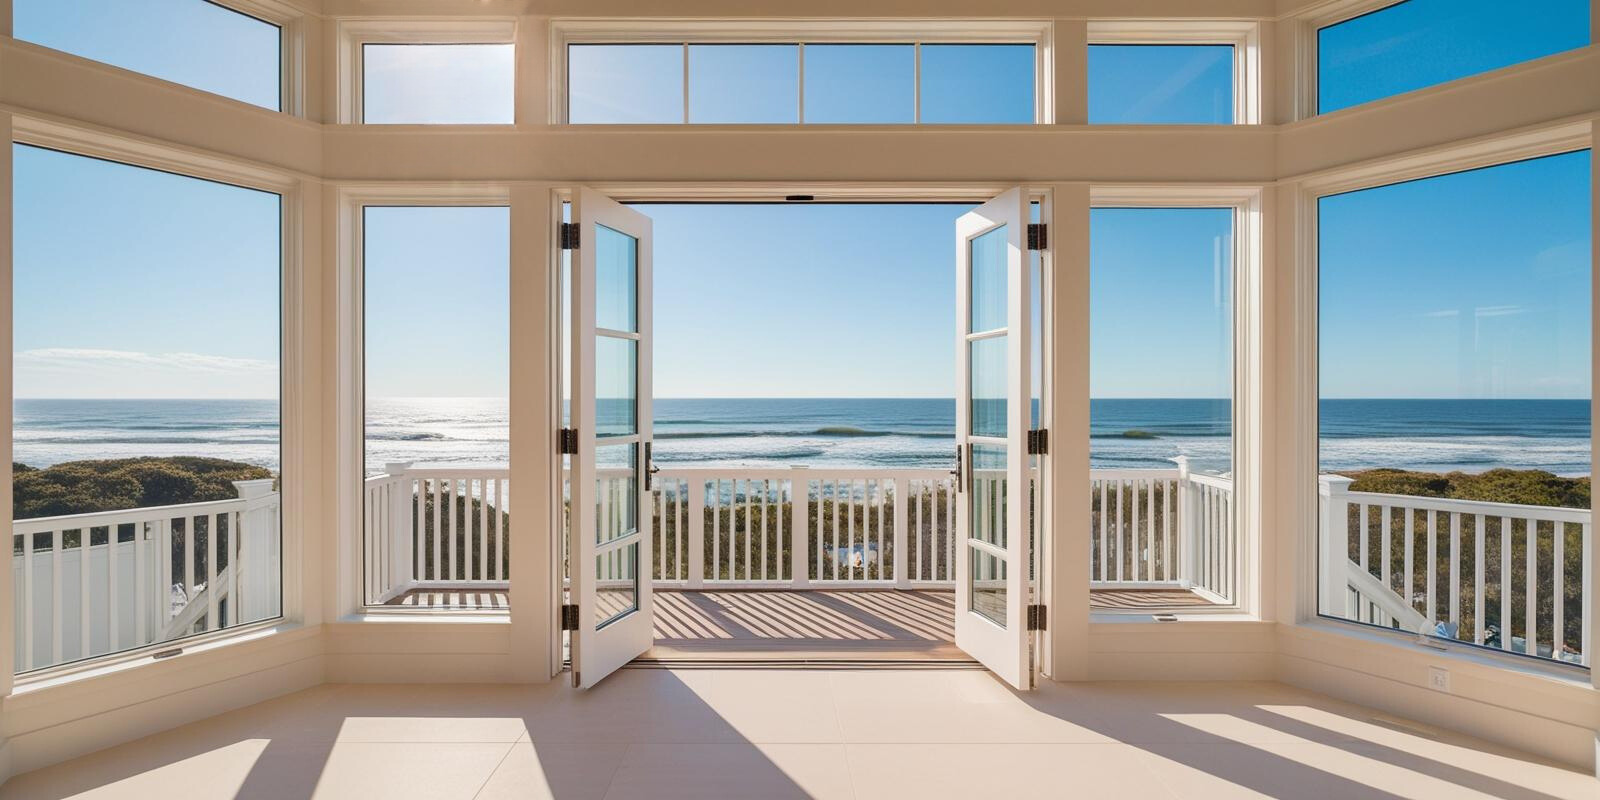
[616,386]
[616,471]
[988,585]
[860,83]
[988,281]
[986,506]
[616,289]
[744,83]
[987,377]
[616,591]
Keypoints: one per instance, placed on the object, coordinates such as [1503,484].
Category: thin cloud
[91,358]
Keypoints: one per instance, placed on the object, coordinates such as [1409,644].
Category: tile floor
[723,733]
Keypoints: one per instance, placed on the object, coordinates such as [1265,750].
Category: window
[193,42]
[1132,84]
[437,415]
[1454,332]
[843,83]
[146,418]
[438,84]
[1420,43]
[1161,401]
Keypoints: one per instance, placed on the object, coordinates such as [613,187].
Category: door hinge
[569,617]
[1039,442]
[569,237]
[567,441]
[1036,617]
[1038,236]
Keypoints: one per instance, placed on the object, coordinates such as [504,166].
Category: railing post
[401,531]
[1188,533]
[697,532]
[800,556]
[258,551]
[1333,536]
[902,537]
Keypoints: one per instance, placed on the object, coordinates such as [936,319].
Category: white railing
[1162,528]
[1500,575]
[440,526]
[91,584]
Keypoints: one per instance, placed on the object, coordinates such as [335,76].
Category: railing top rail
[1131,474]
[1215,481]
[96,519]
[1485,507]
[808,473]
[449,471]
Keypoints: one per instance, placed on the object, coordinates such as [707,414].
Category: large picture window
[146,483]
[1454,385]
[193,42]
[437,442]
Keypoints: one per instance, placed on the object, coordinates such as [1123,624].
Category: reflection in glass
[616,382]
[616,591]
[987,597]
[860,83]
[987,501]
[616,283]
[1150,84]
[625,84]
[987,377]
[616,481]
[744,83]
[988,280]
[438,84]
[977,83]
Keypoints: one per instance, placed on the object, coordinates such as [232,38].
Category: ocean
[1433,435]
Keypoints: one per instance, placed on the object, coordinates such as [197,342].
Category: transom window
[1133,84]
[885,82]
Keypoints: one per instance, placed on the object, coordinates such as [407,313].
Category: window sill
[465,616]
[144,658]
[1566,675]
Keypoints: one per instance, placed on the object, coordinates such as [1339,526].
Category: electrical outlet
[1439,679]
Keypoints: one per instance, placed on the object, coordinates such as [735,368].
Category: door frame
[1060,650]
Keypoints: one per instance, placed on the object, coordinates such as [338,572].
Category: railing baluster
[1558,581]
[436,570]
[1455,569]
[1478,633]
[1505,583]
[85,537]
[1433,566]
[1531,609]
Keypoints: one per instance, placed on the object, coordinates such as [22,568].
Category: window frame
[1243,36]
[1038,33]
[350,389]
[120,149]
[1249,265]
[352,35]
[1305,378]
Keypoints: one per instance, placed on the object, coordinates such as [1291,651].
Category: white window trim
[1039,33]
[1243,36]
[1249,265]
[352,33]
[1457,157]
[128,151]
[350,388]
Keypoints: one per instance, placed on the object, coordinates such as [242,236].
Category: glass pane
[977,83]
[986,375]
[986,507]
[990,265]
[1160,84]
[616,289]
[192,42]
[616,470]
[988,586]
[744,83]
[616,382]
[625,83]
[438,84]
[125,408]
[861,83]
[1468,378]
[1421,43]
[616,584]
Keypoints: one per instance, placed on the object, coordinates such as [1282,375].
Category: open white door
[611,414]
[992,421]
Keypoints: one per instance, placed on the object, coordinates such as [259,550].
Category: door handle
[957,471]
[649,467]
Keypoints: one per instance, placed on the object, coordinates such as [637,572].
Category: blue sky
[1469,285]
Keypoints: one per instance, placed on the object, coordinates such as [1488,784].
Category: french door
[610,417]
[993,415]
